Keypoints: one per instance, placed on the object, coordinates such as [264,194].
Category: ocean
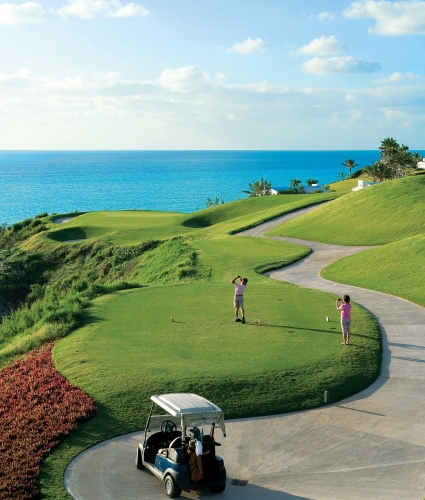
[33,182]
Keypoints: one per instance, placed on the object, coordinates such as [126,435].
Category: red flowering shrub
[38,409]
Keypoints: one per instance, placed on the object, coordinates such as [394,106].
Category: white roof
[191,408]
[184,403]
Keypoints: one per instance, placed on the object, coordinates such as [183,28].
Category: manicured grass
[379,214]
[130,228]
[395,268]
[122,228]
[226,256]
[282,360]
[255,205]
[344,187]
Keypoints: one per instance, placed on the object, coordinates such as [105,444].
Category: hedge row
[38,409]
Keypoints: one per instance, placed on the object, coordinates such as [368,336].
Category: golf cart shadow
[247,492]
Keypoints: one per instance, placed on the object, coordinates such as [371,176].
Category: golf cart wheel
[218,489]
[139,463]
[171,488]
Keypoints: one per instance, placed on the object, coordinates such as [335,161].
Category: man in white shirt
[238,299]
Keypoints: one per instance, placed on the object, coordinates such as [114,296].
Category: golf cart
[175,448]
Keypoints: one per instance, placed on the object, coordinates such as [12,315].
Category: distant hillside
[379,214]
[254,205]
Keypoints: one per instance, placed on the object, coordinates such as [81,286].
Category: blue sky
[113,74]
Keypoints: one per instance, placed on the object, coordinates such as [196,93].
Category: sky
[211,74]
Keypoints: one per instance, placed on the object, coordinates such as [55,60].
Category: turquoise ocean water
[63,181]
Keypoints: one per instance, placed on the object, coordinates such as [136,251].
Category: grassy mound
[393,268]
[379,214]
[124,227]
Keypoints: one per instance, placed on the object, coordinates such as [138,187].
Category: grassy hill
[395,268]
[379,214]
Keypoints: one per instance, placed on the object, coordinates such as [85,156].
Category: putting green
[123,227]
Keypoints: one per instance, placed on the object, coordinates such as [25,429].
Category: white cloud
[129,10]
[248,46]
[325,15]
[323,46]
[392,18]
[337,65]
[28,12]
[191,108]
[185,79]
[398,77]
[88,9]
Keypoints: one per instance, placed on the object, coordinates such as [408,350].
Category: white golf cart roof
[191,408]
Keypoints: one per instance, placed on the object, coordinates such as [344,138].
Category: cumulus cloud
[337,65]
[202,110]
[28,12]
[397,77]
[248,46]
[188,79]
[325,15]
[323,46]
[88,9]
[392,18]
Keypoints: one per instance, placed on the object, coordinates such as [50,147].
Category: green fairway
[131,228]
[379,214]
[395,268]
[124,227]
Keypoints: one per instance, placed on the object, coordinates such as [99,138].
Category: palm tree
[350,164]
[259,188]
[416,158]
[311,181]
[342,175]
[378,171]
[390,154]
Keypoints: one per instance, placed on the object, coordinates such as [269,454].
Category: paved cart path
[367,447]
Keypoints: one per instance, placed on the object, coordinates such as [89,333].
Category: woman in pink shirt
[345,309]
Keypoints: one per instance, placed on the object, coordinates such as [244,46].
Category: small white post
[327,318]
[326,397]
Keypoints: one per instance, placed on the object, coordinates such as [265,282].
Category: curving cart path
[367,447]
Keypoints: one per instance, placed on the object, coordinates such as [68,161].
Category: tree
[416,158]
[342,175]
[259,188]
[378,171]
[350,164]
[397,158]
[311,181]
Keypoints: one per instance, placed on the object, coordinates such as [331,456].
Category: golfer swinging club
[238,300]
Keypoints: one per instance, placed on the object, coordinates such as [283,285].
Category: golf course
[152,297]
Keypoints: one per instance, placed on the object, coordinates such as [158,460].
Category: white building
[361,184]
[421,164]
[308,189]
